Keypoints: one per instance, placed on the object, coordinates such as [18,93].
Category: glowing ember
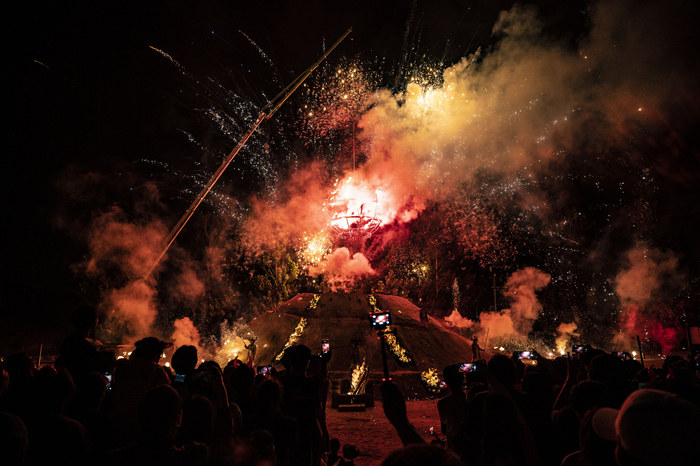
[315,248]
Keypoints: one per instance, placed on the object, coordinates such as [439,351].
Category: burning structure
[354,210]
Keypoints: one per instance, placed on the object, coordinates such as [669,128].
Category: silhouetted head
[197,420]
[269,393]
[159,412]
[184,359]
[53,388]
[350,452]
[590,394]
[150,348]
[299,357]
[452,375]
[19,366]
[91,388]
[653,427]
[503,369]
[84,318]
[242,379]
[608,369]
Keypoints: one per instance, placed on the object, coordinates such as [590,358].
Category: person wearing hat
[652,428]
[131,382]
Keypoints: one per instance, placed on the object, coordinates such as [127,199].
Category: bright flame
[292,338]
[357,375]
[355,209]
[431,378]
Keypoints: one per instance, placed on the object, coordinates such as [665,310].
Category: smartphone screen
[467,367]
[325,346]
[381,319]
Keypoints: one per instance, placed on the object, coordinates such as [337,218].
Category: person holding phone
[302,400]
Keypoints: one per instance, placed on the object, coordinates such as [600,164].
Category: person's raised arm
[395,410]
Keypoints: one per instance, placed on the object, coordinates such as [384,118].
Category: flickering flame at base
[357,381]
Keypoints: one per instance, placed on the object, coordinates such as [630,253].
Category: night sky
[98,117]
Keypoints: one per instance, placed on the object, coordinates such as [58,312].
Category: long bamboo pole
[265,114]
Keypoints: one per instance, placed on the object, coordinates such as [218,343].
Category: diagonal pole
[265,114]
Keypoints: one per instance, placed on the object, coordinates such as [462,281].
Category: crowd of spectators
[91,408]
[589,409]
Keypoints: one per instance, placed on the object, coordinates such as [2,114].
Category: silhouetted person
[77,354]
[252,349]
[651,428]
[159,416]
[421,455]
[476,349]
[349,455]
[355,353]
[333,456]
[301,400]
[453,407]
[16,398]
[184,360]
[269,417]
[14,440]
[132,380]
[85,406]
[55,438]
[240,392]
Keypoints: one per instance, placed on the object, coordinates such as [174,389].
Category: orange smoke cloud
[566,332]
[116,243]
[648,273]
[188,288]
[298,208]
[133,310]
[456,320]
[340,263]
[648,276]
[525,307]
[185,333]
[132,247]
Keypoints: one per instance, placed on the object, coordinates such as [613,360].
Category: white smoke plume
[341,270]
